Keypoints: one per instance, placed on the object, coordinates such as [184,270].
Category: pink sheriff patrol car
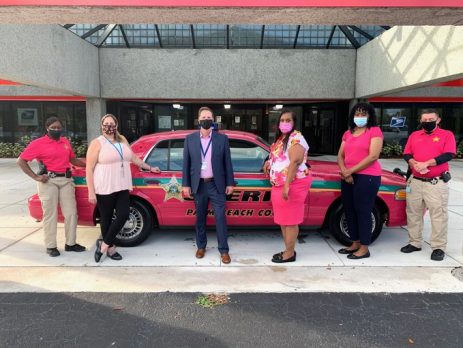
[157,201]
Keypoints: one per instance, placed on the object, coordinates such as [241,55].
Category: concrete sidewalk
[166,262]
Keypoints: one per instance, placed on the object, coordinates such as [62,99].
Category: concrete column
[95,108]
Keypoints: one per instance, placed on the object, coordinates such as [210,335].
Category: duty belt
[433,181]
[55,175]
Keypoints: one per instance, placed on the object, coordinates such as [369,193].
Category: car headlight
[400,195]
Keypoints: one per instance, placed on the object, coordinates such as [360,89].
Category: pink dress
[112,171]
[289,212]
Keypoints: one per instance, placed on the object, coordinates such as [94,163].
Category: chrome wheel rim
[343,224]
[133,226]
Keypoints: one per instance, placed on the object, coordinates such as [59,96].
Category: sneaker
[75,247]
[437,255]
[409,249]
[53,252]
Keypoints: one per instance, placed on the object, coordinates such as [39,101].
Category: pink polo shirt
[208,159]
[356,148]
[423,147]
[55,154]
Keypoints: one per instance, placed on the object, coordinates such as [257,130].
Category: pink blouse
[112,171]
[356,148]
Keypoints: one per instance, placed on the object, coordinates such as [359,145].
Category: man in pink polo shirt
[428,152]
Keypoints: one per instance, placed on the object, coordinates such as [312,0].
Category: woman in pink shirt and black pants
[361,176]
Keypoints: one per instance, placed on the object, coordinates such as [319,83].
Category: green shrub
[13,150]
[460,150]
[391,150]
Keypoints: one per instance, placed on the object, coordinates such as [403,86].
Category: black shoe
[75,247]
[116,256]
[279,258]
[437,255]
[53,252]
[277,255]
[98,253]
[346,251]
[409,249]
[355,257]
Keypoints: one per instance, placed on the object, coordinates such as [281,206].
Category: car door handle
[152,182]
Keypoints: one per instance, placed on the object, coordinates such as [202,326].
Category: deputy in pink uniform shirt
[361,177]
[109,181]
[55,184]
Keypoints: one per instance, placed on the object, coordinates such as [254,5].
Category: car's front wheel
[137,227]
[339,230]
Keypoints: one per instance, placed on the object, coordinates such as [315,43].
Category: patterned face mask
[109,129]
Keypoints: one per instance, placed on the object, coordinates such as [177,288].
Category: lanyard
[119,151]
[207,148]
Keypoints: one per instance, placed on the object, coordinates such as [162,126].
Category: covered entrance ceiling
[299,12]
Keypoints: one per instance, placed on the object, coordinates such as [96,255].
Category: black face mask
[429,126]
[206,124]
[54,133]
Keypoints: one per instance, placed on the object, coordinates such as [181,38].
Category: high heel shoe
[98,253]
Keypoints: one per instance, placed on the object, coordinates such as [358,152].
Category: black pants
[115,203]
[358,200]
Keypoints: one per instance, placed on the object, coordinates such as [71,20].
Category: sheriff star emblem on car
[173,189]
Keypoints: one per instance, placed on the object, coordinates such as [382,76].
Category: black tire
[138,226]
[338,225]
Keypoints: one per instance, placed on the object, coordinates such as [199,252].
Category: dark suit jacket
[222,168]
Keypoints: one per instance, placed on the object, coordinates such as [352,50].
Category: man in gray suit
[208,176]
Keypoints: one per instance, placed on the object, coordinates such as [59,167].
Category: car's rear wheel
[137,227]
[339,230]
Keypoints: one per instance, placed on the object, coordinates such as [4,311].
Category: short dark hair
[52,120]
[203,108]
[429,111]
[279,133]
[365,107]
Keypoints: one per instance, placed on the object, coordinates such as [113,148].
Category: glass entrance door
[319,128]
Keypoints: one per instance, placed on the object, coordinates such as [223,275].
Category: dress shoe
[53,252]
[225,258]
[116,256]
[277,255]
[409,249]
[76,247]
[200,253]
[355,257]
[347,251]
[279,258]
[98,253]
[437,255]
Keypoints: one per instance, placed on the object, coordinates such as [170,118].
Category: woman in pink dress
[109,181]
[290,179]
[361,176]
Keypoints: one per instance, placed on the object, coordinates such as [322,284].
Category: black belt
[55,175]
[207,179]
[431,180]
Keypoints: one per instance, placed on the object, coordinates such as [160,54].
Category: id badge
[204,165]
[408,189]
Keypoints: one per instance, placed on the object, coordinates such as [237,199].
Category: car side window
[246,156]
[167,155]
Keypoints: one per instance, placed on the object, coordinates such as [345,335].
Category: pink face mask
[285,127]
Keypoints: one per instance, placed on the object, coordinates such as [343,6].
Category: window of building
[395,123]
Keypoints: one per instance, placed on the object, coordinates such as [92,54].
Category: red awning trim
[416,99]
[8,83]
[42,98]
[237,3]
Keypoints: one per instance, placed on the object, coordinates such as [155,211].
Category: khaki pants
[58,190]
[434,197]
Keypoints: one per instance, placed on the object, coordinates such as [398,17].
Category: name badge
[204,165]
